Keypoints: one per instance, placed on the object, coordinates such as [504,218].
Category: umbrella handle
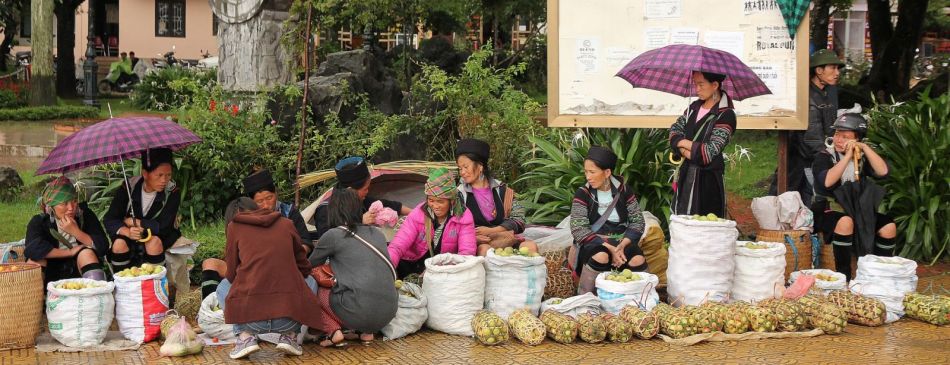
[856,157]
[675,161]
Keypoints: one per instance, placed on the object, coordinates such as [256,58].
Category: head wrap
[257,181]
[441,184]
[604,157]
[351,172]
[57,192]
[473,146]
[156,156]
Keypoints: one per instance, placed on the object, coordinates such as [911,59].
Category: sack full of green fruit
[411,313]
[702,258]
[141,300]
[79,311]
[514,279]
[617,289]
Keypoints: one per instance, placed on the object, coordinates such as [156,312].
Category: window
[214,24]
[170,18]
[26,23]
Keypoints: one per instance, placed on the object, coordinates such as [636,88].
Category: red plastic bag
[801,287]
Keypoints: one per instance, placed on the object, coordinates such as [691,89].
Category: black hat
[351,172]
[604,157]
[473,146]
[156,156]
[851,122]
[258,181]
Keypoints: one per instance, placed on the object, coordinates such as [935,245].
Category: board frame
[796,121]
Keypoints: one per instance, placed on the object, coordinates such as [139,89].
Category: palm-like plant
[555,170]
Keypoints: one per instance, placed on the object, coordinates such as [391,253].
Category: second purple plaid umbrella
[670,69]
[115,140]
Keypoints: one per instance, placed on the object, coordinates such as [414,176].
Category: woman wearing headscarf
[148,218]
[606,221]
[353,173]
[66,238]
[438,225]
[498,216]
[699,136]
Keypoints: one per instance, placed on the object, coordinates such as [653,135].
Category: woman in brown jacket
[268,288]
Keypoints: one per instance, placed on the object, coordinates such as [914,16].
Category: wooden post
[782,176]
[304,105]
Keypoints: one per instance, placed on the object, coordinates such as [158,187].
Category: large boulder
[352,72]
[10,183]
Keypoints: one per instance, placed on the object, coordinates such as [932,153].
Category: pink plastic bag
[801,287]
[384,216]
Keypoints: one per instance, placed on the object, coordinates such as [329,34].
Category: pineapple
[790,316]
[560,327]
[618,330]
[644,324]
[591,328]
[737,321]
[526,327]
[489,328]
[865,311]
[761,319]
[824,315]
[933,309]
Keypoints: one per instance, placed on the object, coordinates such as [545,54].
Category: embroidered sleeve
[580,223]
[677,134]
[722,131]
[635,221]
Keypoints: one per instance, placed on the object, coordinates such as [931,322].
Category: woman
[260,187]
[353,173]
[605,221]
[364,298]
[834,168]
[498,216]
[148,219]
[438,225]
[66,239]
[268,288]
[699,136]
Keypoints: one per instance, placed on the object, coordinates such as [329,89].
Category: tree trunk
[42,87]
[65,45]
[879,19]
[894,57]
[244,68]
[820,15]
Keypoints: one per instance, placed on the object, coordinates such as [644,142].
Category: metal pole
[89,66]
[304,105]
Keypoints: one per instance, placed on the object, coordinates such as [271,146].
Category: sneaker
[288,345]
[245,347]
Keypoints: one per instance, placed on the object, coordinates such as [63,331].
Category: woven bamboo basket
[797,256]
[21,305]
[560,282]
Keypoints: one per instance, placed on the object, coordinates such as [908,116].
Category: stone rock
[351,71]
[10,182]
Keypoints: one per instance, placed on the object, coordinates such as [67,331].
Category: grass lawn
[120,106]
[749,178]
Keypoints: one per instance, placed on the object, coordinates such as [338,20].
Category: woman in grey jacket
[363,298]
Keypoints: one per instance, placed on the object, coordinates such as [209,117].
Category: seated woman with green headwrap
[438,225]
[66,238]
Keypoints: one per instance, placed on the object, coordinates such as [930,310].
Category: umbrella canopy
[114,140]
[670,69]
[793,11]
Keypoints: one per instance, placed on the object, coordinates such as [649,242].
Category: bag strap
[380,254]
[791,243]
[603,218]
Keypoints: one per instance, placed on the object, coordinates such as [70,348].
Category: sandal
[364,336]
[327,340]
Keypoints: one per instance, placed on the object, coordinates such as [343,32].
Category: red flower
[213,105]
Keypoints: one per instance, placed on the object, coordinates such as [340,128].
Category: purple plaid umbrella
[670,69]
[115,140]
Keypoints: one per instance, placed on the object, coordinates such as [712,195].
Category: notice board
[589,41]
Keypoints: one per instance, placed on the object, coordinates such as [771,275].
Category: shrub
[555,170]
[914,138]
[10,98]
[172,88]
[49,112]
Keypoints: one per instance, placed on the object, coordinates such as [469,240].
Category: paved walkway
[905,342]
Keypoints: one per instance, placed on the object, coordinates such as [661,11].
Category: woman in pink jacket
[438,225]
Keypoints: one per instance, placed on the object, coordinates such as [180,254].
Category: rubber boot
[586,283]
